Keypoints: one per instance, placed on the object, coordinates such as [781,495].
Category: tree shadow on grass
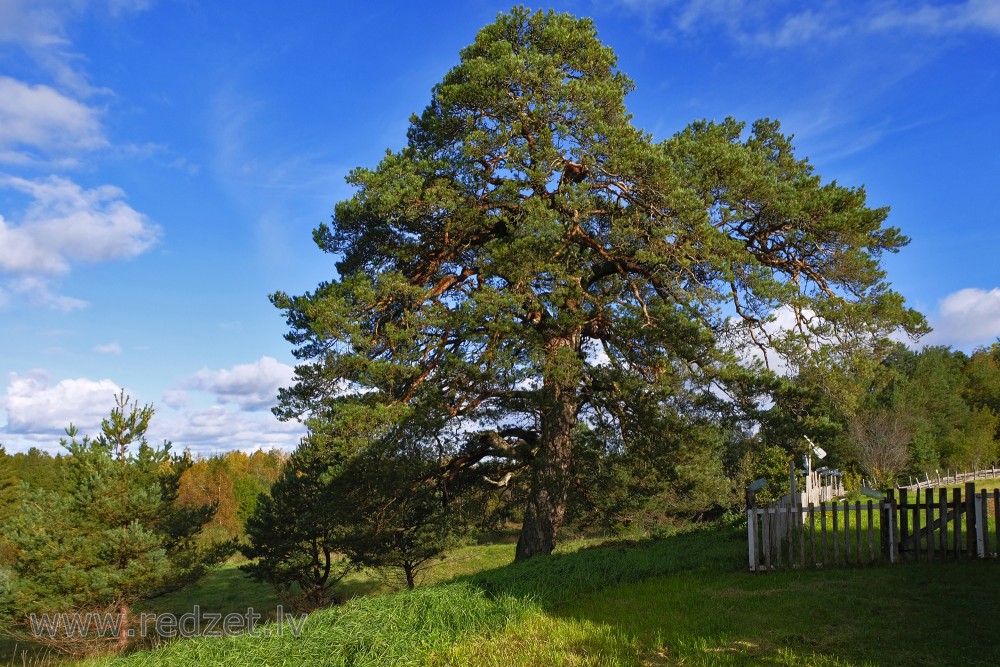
[688,599]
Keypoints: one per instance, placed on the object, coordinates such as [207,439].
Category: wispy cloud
[785,23]
[40,28]
[936,19]
[175,398]
[109,348]
[36,291]
[272,182]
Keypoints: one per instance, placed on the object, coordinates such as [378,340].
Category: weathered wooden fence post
[752,527]
[891,526]
[943,512]
[970,519]
[982,524]
[956,503]
[904,523]
[996,519]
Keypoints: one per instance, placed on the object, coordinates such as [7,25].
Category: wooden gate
[913,527]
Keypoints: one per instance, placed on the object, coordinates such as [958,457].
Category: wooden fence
[914,526]
[952,477]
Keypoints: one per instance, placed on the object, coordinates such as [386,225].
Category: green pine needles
[112,537]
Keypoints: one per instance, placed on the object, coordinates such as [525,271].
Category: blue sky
[163,162]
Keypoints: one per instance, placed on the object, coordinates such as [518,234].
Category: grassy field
[679,600]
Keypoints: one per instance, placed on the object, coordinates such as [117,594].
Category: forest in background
[917,413]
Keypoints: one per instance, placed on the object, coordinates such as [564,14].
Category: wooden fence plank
[890,524]
[916,526]
[822,519]
[789,533]
[930,524]
[996,519]
[904,525]
[812,531]
[871,533]
[943,511]
[847,534]
[800,526]
[776,537]
[888,539]
[970,519]
[836,533]
[956,499]
[983,524]
[767,538]
[857,528]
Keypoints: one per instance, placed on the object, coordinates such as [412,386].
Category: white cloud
[38,411]
[220,428]
[109,348]
[782,321]
[44,122]
[37,407]
[175,398]
[249,386]
[966,317]
[66,224]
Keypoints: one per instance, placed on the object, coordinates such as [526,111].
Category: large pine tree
[531,264]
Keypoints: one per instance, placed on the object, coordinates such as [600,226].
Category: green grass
[685,599]
[222,590]
[905,614]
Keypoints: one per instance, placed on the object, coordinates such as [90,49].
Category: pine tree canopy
[531,263]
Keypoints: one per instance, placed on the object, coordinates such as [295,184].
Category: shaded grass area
[222,590]
[683,599]
[422,626]
[903,615]
[13,652]
[228,590]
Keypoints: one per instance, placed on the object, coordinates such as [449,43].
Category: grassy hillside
[683,599]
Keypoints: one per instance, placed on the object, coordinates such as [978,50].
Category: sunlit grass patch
[539,640]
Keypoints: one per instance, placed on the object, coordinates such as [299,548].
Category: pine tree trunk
[124,620]
[551,469]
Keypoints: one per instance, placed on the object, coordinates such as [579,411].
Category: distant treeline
[230,481]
